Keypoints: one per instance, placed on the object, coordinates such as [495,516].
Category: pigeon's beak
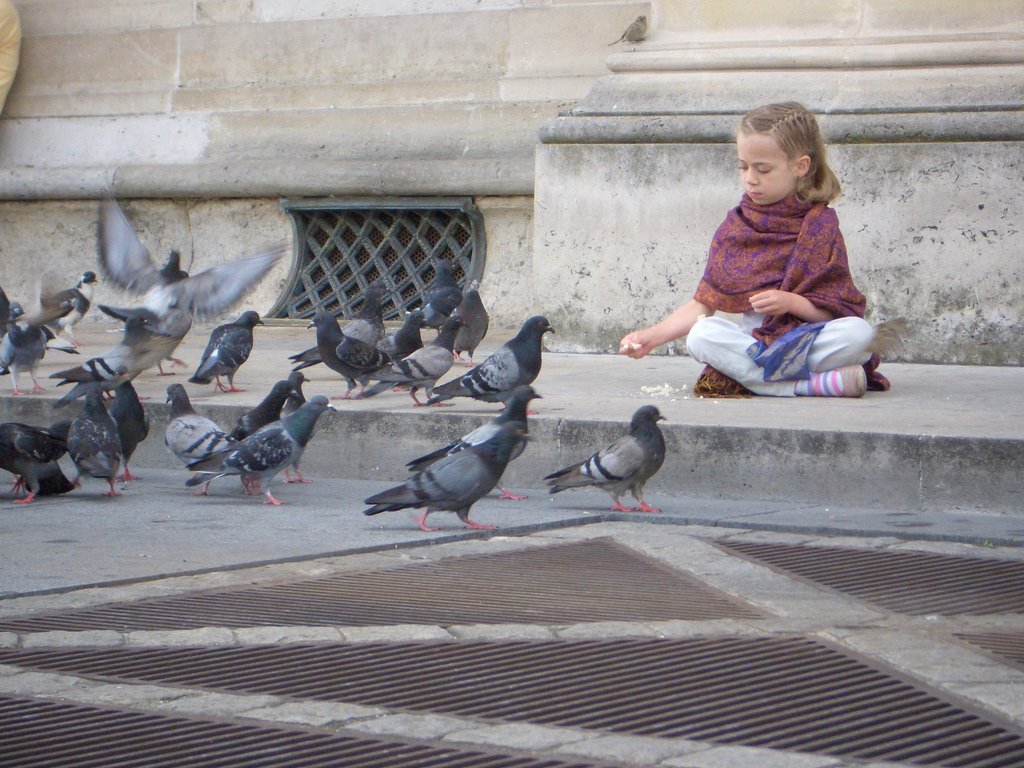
[331,407]
[312,323]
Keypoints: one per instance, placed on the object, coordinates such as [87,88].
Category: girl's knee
[857,332]
[698,339]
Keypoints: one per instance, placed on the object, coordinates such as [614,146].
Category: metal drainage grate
[780,693]
[1008,647]
[906,582]
[43,733]
[343,246]
[595,580]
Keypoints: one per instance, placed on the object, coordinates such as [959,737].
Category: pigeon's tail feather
[53,481]
[79,390]
[306,364]
[447,391]
[376,389]
[197,379]
[426,460]
[204,477]
[567,478]
[212,463]
[392,499]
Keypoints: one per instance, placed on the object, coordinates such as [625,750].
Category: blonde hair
[796,132]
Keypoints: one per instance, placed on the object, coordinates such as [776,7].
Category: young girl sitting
[779,261]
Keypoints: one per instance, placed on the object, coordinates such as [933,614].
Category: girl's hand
[634,345]
[773,302]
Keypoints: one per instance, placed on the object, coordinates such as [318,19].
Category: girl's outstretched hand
[634,345]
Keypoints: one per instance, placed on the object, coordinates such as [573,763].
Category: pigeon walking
[362,360]
[136,352]
[475,321]
[263,454]
[22,348]
[74,303]
[31,453]
[266,411]
[515,413]
[422,368]
[367,324]
[443,296]
[455,482]
[229,347]
[635,32]
[188,435]
[625,465]
[515,363]
[170,293]
[132,424]
[93,442]
[406,339]
[328,337]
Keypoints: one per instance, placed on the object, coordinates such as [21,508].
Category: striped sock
[827,384]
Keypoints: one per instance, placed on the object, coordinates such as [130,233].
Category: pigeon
[295,397]
[625,465]
[422,368]
[443,296]
[263,454]
[475,321]
[634,32]
[22,348]
[515,413]
[328,337]
[367,324]
[361,360]
[132,423]
[406,339]
[266,411]
[31,453]
[93,443]
[455,482]
[75,303]
[170,293]
[517,362]
[228,348]
[188,435]
[136,352]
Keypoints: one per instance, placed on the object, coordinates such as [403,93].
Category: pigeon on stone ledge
[229,347]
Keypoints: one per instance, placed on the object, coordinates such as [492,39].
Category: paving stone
[217,704]
[272,635]
[600,630]
[205,636]
[519,736]
[500,632]
[745,757]
[315,713]
[38,683]
[57,639]
[398,633]
[413,726]
[633,750]
[9,640]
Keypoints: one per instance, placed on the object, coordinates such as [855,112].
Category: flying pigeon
[517,362]
[455,482]
[625,465]
[263,454]
[228,348]
[93,443]
[422,368]
[406,339]
[634,32]
[74,303]
[266,411]
[328,337]
[132,423]
[31,453]
[475,321]
[170,293]
[188,435]
[515,413]
[22,348]
[443,296]
[136,352]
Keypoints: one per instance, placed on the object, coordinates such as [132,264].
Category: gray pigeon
[263,454]
[93,442]
[516,362]
[515,413]
[135,353]
[295,397]
[188,435]
[367,324]
[328,337]
[170,293]
[422,368]
[74,303]
[360,359]
[228,348]
[454,483]
[31,453]
[635,32]
[443,296]
[22,348]
[625,465]
[475,321]
[268,410]
[406,339]
[132,423]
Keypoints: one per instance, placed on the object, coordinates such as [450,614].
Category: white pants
[723,344]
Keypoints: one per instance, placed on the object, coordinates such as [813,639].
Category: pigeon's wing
[219,288]
[615,464]
[228,348]
[38,445]
[498,373]
[192,437]
[265,450]
[123,259]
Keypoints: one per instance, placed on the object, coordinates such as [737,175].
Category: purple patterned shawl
[790,246]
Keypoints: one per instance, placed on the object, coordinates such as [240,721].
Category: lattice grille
[342,247]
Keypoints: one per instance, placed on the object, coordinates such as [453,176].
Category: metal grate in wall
[342,246]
